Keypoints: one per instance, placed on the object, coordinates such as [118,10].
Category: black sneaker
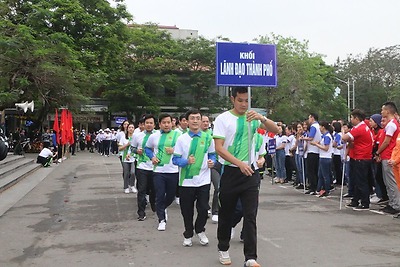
[347,195]
[390,210]
[300,186]
[361,208]
[324,195]
[352,205]
[142,218]
[382,201]
[308,192]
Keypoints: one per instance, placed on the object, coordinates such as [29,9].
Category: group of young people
[183,160]
[365,152]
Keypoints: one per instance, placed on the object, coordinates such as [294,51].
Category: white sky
[333,28]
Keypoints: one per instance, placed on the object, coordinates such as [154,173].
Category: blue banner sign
[120,120]
[242,64]
[272,146]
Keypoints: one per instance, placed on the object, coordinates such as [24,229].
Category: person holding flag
[195,155]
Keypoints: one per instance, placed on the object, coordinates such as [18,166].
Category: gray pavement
[78,215]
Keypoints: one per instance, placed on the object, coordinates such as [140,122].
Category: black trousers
[290,166]
[144,181]
[188,196]
[337,168]
[234,186]
[312,170]
[359,171]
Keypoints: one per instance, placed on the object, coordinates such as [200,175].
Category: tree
[198,74]
[149,69]
[376,75]
[58,52]
[304,84]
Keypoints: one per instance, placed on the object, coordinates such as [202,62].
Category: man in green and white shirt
[239,180]
[144,169]
[159,148]
[195,155]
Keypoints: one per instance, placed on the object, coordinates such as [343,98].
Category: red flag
[70,129]
[56,128]
[63,127]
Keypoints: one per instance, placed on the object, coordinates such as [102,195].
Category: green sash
[144,157]
[240,146]
[166,140]
[128,151]
[198,148]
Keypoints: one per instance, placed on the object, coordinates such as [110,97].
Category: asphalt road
[79,216]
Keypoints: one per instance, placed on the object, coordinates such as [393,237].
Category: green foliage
[303,84]
[376,76]
[58,52]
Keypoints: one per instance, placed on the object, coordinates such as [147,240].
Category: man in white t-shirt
[160,148]
[45,156]
[195,155]
[313,153]
[239,179]
[144,169]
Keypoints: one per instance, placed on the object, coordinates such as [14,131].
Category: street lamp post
[350,95]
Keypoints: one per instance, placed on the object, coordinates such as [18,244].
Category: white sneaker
[214,218]
[232,233]
[209,213]
[187,242]
[224,258]
[177,201]
[251,263]
[133,189]
[374,199]
[203,238]
[162,225]
[127,191]
[166,215]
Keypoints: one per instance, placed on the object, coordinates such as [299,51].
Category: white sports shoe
[162,225]
[224,258]
[214,218]
[374,199]
[133,189]
[127,191]
[252,263]
[187,242]
[203,238]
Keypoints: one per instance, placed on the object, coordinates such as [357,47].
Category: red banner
[56,128]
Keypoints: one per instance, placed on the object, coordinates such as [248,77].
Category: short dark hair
[149,116]
[238,90]
[314,115]
[163,116]
[359,114]
[391,107]
[46,144]
[191,111]
[182,116]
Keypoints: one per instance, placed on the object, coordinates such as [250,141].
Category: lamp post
[350,95]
